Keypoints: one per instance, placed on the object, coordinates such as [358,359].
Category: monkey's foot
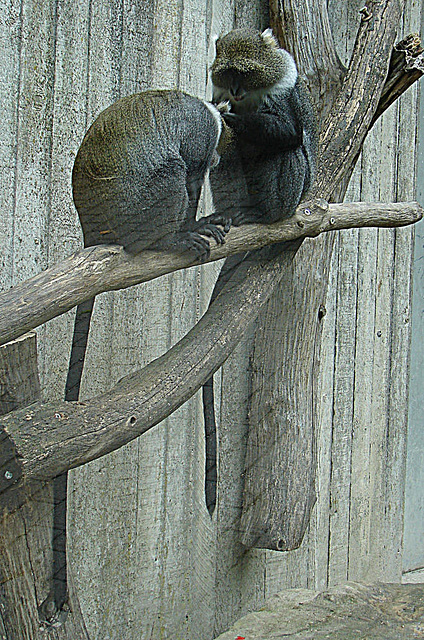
[211,226]
[194,242]
[197,239]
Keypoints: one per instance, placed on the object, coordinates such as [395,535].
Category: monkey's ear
[269,38]
[215,39]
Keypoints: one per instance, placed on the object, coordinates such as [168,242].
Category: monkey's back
[129,176]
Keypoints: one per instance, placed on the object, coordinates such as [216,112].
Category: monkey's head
[248,66]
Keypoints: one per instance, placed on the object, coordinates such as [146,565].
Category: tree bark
[26,525]
[279,489]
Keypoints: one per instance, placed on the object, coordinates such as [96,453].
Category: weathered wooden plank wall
[149,561]
[413,555]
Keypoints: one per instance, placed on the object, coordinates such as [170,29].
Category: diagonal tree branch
[348,122]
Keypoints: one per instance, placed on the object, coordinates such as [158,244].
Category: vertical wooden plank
[360,522]
[413,552]
[69,119]
[104,555]
[35,109]
[319,527]
[342,406]
[137,29]
[10,32]
[156,499]
[254,15]
[336,372]
[344,19]
[413,555]
[395,459]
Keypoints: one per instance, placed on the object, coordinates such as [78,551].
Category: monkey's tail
[211,476]
[60,483]
[79,346]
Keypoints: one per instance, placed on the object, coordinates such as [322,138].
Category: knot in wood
[366,14]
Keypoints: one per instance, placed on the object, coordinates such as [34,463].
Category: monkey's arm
[274,129]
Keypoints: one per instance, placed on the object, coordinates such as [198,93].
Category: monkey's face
[246,66]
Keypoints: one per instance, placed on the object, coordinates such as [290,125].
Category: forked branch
[50,438]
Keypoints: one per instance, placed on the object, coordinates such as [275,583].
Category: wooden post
[27,610]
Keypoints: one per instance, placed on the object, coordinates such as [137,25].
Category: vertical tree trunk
[279,490]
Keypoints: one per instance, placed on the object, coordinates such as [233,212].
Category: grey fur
[139,171]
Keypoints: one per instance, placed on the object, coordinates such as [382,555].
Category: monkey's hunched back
[138,172]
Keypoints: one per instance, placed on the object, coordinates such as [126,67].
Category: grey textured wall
[149,561]
[413,557]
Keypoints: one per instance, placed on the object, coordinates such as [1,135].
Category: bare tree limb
[349,120]
[105,268]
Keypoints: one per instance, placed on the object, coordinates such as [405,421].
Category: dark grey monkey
[139,171]
[136,182]
[270,165]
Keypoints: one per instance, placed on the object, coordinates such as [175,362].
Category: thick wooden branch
[303,28]
[353,110]
[105,268]
[47,439]
[406,67]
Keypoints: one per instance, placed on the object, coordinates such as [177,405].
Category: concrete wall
[149,561]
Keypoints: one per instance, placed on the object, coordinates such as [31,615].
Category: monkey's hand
[197,239]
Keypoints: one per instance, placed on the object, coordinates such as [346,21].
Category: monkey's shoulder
[146,126]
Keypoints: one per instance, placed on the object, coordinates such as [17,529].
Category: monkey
[136,182]
[273,124]
[138,173]
[270,164]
